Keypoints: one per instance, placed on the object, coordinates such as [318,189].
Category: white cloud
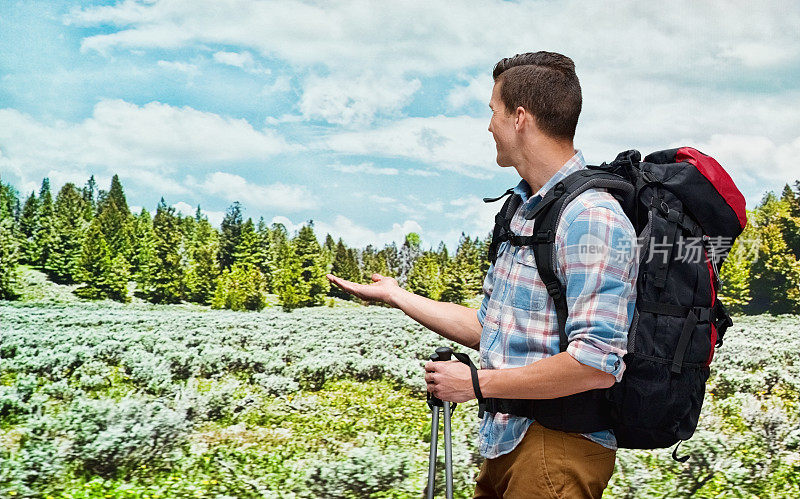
[286,118]
[237,59]
[278,195]
[242,60]
[422,173]
[142,143]
[187,210]
[702,73]
[382,199]
[756,163]
[473,216]
[355,235]
[366,168]
[433,37]
[181,67]
[477,89]
[461,144]
[280,84]
[354,100]
[291,228]
[122,133]
[214,217]
[184,209]
[162,183]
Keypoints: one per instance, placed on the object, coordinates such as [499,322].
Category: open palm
[379,290]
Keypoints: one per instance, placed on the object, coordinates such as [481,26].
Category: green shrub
[240,288]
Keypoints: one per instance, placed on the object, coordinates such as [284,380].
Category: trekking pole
[442,354]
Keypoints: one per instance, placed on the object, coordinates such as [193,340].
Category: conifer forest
[154,355]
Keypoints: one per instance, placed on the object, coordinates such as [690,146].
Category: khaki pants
[547,463]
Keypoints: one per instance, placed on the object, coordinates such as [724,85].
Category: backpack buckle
[648,177]
[545,237]
[554,289]
[703,314]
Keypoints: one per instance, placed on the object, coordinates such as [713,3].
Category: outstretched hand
[381,289]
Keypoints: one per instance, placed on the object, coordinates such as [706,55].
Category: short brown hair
[545,84]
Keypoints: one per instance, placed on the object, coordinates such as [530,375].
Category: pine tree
[231,235]
[735,277]
[89,194]
[143,250]
[483,252]
[330,244]
[789,197]
[264,241]
[187,226]
[795,208]
[312,265]
[248,251]
[425,277]
[775,275]
[391,255]
[287,281]
[116,220]
[45,234]
[345,266]
[789,221]
[95,264]
[28,222]
[8,258]
[117,286]
[203,269]
[374,262]
[117,195]
[163,282]
[63,263]
[9,202]
[409,253]
[443,254]
[469,258]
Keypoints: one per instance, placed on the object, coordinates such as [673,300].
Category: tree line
[89,236]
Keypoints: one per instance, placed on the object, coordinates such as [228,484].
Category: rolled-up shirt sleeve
[596,251]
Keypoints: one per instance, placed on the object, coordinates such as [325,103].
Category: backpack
[672,197]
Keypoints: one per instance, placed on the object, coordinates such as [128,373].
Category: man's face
[502,126]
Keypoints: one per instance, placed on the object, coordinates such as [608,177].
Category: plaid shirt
[595,244]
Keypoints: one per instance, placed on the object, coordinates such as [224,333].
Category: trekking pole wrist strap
[476,387]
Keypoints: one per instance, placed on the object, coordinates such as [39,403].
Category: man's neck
[539,162]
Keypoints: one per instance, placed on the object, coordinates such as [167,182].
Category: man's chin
[502,164]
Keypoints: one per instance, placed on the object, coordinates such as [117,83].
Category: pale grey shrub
[364,472]
[276,384]
[102,436]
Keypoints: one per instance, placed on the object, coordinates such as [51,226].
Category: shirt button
[529,258]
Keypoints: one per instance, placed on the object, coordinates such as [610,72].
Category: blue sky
[370,117]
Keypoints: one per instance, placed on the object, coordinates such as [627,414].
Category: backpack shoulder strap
[502,221]
[547,214]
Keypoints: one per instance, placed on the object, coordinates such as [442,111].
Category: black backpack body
[683,204]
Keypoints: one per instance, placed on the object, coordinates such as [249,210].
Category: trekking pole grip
[443,353]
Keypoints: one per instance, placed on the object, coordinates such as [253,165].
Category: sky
[370,118]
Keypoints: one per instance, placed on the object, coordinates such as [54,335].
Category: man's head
[541,85]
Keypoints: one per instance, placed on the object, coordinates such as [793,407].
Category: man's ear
[522,118]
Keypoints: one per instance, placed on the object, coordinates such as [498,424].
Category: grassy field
[109,400]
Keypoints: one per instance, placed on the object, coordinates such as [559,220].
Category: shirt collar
[576,162]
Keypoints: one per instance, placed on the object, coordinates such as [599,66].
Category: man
[536,101]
